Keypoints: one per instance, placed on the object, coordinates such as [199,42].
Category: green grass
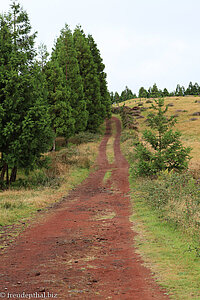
[12,212]
[110,144]
[107,176]
[172,255]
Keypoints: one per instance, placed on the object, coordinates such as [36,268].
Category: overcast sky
[142,42]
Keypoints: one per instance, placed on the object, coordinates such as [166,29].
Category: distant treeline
[154,92]
[43,97]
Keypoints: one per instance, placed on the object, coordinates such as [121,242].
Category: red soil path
[83,248]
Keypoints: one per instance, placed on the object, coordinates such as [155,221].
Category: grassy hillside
[187,123]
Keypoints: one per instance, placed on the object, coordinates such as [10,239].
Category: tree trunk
[4,168]
[66,59]
[54,142]
[54,145]
[13,174]
[7,176]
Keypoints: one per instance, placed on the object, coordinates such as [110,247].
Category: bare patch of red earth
[84,247]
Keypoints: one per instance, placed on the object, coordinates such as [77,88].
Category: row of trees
[126,94]
[154,92]
[42,98]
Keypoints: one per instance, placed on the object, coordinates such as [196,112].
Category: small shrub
[36,180]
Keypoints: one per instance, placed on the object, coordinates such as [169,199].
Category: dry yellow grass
[19,204]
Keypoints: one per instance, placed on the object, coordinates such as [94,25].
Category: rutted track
[83,249]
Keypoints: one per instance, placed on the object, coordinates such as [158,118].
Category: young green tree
[91,83]
[105,96]
[24,119]
[167,151]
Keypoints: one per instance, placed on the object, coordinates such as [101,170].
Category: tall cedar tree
[105,96]
[59,100]
[24,119]
[91,83]
[67,59]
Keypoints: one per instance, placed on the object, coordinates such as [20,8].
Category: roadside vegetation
[166,204]
[68,166]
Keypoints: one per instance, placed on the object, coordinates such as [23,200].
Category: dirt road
[83,248]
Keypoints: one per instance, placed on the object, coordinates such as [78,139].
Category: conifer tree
[165,93]
[66,56]
[24,119]
[154,91]
[117,98]
[59,100]
[112,97]
[105,96]
[142,93]
[149,95]
[91,83]
[190,90]
[42,56]
[179,90]
[126,94]
[164,150]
